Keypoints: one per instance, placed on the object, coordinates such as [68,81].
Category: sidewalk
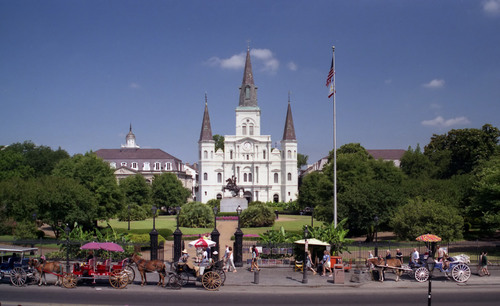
[286,277]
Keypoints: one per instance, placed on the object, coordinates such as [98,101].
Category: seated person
[184,260]
[13,259]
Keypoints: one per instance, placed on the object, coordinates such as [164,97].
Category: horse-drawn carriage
[211,277]
[457,266]
[119,274]
[17,268]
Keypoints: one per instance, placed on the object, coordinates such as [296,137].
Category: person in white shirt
[415,256]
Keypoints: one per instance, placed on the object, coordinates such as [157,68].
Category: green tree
[419,217]
[42,159]
[19,198]
[415,164]
[62,199]
[335,236]
[13,164]
[301,160]
[196,215]
[219,142]
[316,190]
[94,174]
[137,198]
[485,204]
[460,151]
[167,191]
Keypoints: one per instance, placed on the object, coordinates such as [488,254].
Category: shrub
[196,215]
[25,230]
[137,213]
[214,202]
[258,215]
[144,238]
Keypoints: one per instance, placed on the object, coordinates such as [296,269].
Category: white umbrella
[312,241]
[203,243]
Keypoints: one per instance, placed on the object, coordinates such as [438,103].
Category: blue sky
[75,74]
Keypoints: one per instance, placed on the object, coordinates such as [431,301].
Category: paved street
[276,286]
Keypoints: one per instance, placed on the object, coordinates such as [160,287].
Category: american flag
[331,73]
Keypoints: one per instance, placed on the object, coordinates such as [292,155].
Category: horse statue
[43,266]
[146,266]
[231,186]
[386,264]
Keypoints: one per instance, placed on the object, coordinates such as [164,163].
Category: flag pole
[334,147]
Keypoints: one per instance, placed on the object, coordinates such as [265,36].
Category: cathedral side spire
[289,131]
[248,91]
[206,128]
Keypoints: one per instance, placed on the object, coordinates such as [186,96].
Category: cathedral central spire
[248,91]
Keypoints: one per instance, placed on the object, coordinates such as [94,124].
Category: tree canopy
[167,191]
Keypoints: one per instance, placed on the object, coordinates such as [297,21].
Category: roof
[289,131]
[133,153]
[15,248]
[206,127]
[392,154]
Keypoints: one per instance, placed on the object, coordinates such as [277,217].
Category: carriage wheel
[211,280]
[461,273]
[18,277]
[33,278]
[118,279]
[69,280]
[130,272]
[222,276]
[422,274]
[174,282]
[183,278]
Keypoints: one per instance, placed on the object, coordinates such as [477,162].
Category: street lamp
[238,242]
[129,216]
[177,237]
[215,236]
[67,230]
[304,265]
[312,217]
[430,266]
[154,236]
[376,238]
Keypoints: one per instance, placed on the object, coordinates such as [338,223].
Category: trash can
[338,276]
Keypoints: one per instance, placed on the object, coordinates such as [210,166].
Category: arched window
[247,92]
[276,178]
[264,154]
[231,154]
[219,196]
[244,177]
[289,176]
[205,154]
[251,129]
[289,154]
[205,176]
[219,177]
[276,198]
[249,177]
[244,129]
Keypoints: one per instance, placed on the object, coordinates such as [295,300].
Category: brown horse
[52,267]
[386,264]
[145,266]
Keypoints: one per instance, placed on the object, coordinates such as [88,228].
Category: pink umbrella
[111,246]
[91,246]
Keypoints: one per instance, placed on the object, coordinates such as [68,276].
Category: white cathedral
[265,173]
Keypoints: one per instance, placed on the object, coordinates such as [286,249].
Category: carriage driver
[184,260]
[415,256]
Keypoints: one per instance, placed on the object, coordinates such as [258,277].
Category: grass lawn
[289,222]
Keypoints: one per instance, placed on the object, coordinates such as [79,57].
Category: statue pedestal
[230,204]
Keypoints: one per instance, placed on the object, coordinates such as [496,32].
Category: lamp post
[33,245]
[153,235]
[312,217]
[215,237]
[430,266]
[129,216]
[376,238]
[67,230]
[177,237]
[304,266]
[238,242]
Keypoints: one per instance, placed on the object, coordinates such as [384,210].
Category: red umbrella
[428,238]
[202,243]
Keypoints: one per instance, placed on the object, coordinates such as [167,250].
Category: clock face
[247,146]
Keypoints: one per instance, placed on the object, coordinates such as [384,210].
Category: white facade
[265,173]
